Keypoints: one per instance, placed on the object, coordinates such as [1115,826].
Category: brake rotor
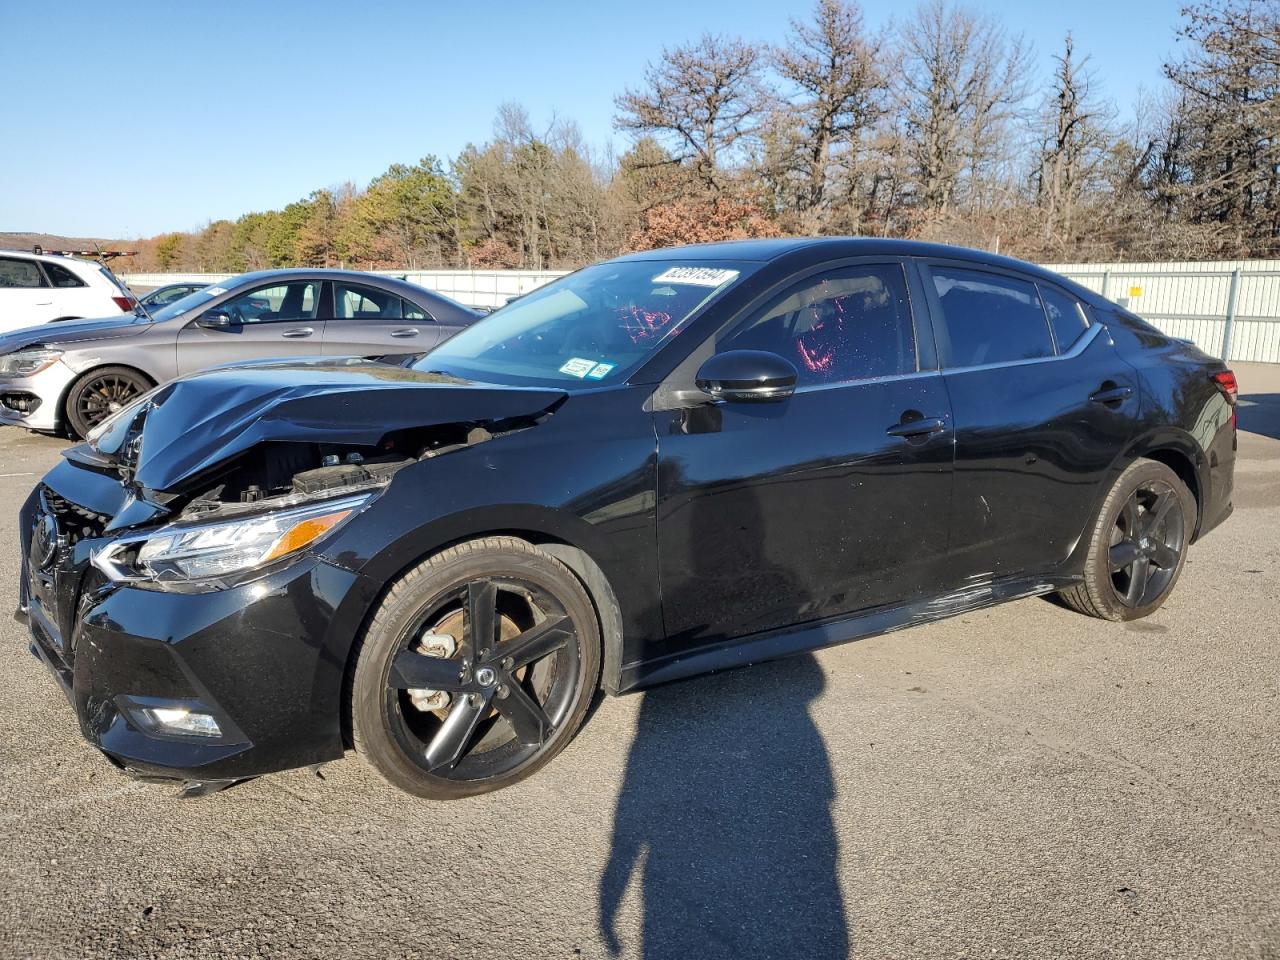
[432,643]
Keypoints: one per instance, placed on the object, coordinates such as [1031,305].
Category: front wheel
[476,669]
[1138,545]
[100,393]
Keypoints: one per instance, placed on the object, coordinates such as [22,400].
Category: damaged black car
[670,463]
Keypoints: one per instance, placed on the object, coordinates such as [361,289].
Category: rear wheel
[1138,545]
[476,669]
[100,393]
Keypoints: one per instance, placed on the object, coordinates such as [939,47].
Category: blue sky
[210,111]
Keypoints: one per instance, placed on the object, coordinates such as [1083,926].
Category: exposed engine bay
[288,473]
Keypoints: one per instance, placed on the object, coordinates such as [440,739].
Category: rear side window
[364,303]
[1066,317]
[60,276]
[20,273]
[414,312]
[990,318]
[853,323]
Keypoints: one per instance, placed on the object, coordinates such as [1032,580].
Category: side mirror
[215,320]
[747,375]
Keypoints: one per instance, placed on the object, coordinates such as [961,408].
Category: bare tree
[837,94]
[1073,145]
[961,84]
[703,97]
[1226,171]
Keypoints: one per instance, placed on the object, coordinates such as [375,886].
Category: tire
[99,393]
[442,716]
[1138,545]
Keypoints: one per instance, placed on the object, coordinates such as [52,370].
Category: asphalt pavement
[1016,782]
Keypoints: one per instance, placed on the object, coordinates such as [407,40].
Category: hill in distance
[52,241]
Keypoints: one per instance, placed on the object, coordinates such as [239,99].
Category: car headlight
[28,361]
[192,551]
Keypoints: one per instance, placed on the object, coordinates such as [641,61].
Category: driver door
[772,514]
[273,320]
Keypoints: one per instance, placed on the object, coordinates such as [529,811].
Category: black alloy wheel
[1147,541]
[1138,545]
[99,394]
[476,670]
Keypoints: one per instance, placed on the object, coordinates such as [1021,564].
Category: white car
[37,288]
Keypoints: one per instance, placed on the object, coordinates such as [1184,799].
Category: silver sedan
[72,375]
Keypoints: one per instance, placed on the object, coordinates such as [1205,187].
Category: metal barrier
[1231,310]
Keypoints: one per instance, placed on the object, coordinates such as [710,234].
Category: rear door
[25,295]
[1043,406]
[278,319]
[369,320]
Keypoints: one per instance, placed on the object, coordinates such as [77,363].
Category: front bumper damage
[265,659]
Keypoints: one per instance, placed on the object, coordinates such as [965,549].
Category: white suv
[36,288]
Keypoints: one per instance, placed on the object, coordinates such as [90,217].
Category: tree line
[930,127]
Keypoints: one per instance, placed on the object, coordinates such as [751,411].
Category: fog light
[182,720]
[171,718]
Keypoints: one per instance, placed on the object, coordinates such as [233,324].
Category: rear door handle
[1112,396]
[298,332]
[405,332]
[917,428]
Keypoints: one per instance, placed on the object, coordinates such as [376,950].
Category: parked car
[72,376]
[673,462]
[163,296]
[39,288]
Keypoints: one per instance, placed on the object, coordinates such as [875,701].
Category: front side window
[20,273]
[283,301]
[60,276]
[990,318]
[852,323]
[594,326]
[1066,316]
[364,303]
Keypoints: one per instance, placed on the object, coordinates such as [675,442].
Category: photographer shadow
[725,815]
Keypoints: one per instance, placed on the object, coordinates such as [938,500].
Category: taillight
[125,303]
[1226,381]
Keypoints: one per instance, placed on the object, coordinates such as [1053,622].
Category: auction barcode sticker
[696,276]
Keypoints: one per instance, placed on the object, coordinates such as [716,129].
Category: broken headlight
[183,552]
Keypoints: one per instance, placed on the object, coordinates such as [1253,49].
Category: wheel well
[588,572]
[1181,464]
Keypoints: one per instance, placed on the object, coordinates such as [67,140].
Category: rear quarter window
[60,276]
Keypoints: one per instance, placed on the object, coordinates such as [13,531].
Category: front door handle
[918,428]
[405,332]
[1112,396]
[298,332]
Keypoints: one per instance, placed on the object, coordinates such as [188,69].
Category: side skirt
[773,645]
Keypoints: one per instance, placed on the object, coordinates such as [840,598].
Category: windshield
[592,327]
[189,302]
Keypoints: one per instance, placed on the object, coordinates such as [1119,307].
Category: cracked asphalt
[1016,782]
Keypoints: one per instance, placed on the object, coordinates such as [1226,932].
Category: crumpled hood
[192,425]
[68,332]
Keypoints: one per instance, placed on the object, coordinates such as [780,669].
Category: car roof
[404,287]
[47,257]
[818,249]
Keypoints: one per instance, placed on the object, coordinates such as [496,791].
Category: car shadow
[724,818]
[1260,413]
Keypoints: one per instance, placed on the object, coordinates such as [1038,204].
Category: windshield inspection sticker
[214,291]
[578,367]
[600,371]
[696,276]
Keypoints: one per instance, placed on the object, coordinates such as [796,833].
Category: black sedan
[674,462]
